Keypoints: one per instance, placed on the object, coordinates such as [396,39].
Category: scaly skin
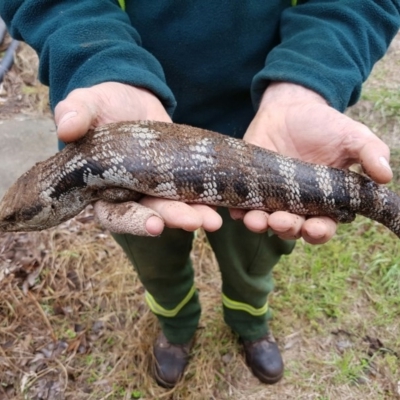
[123,161]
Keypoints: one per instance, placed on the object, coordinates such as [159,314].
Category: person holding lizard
[277,74]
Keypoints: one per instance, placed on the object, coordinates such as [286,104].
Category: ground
[74,323]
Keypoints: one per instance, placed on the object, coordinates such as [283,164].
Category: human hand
[298,122]
[113,102]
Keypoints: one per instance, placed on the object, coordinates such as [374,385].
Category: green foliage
[385,100]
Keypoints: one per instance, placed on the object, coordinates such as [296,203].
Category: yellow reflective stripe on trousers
[236,305]
[160,310]
[122,4]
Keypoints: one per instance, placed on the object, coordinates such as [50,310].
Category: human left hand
[109,102]
[298,122]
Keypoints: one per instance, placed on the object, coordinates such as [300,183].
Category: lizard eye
[10,217]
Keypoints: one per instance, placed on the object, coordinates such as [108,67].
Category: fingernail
[67,116]
[154,226]
[385,163]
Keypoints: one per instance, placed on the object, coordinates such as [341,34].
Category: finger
[177,214]
[374,159]
[129,217]
[74,116]
[154,225]
[237,213]
[318,230]
[286,225]
[256,221]
[370,151]
[212,221]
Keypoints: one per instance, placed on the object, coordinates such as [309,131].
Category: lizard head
[22,208]
[29,206]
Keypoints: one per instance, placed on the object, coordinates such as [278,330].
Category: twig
[46,320]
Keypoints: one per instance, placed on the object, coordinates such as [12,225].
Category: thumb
[371,152]
[375,162]
[257,133]
[74,116]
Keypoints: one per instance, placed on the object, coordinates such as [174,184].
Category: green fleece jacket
[208,61]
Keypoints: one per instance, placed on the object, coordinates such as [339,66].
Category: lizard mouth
[8,222]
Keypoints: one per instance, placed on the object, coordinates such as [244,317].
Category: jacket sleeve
[83,43]
[330,47]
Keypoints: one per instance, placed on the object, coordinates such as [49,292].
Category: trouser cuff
[249,322]
[178,324]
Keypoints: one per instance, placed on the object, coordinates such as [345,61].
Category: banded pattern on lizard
[123,161]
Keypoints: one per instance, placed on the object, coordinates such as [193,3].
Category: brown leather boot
[264,359]
[170,361]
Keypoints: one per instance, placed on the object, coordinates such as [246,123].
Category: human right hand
[297,122]
[109,102]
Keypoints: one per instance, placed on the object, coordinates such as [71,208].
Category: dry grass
[21,92]
[74,323]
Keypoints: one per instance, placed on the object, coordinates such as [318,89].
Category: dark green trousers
[245,260]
